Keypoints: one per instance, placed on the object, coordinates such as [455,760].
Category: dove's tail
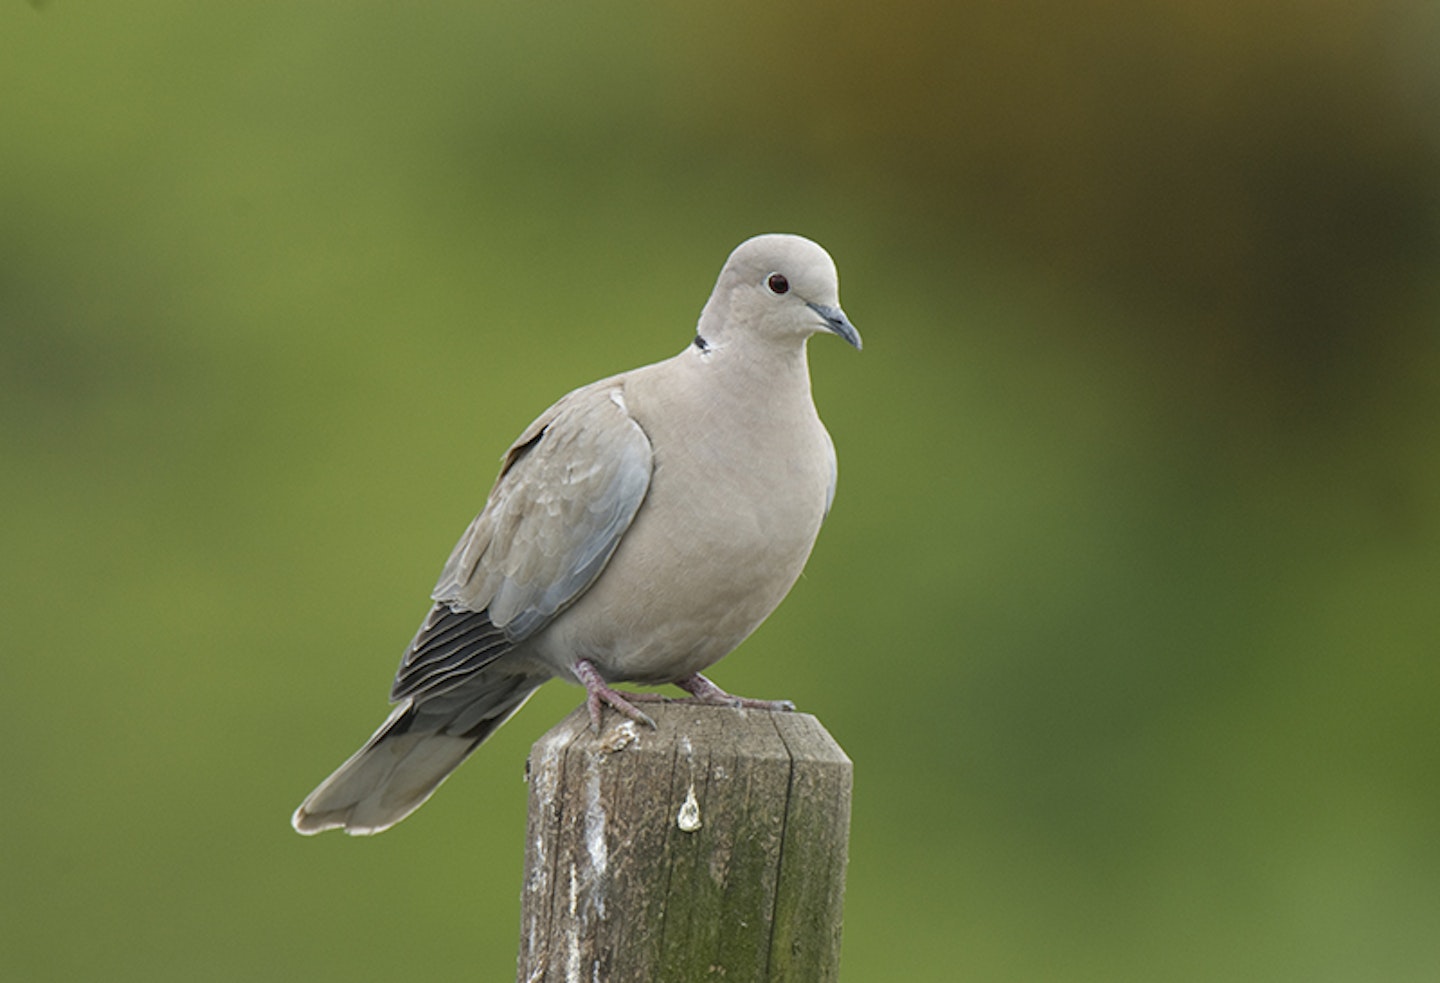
[405,761]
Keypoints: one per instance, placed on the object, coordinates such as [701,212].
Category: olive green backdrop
[1127,607]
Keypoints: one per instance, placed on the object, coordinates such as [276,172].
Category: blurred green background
[1127,608]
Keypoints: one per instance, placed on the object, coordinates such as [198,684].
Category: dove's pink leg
[597,691]
[703,691]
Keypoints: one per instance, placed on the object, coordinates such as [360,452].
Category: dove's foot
[701,690]
[598,692]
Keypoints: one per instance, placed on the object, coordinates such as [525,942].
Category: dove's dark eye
[777,283]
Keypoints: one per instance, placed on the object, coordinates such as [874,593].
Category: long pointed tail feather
[401,766]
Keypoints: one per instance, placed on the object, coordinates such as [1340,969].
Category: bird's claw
[702,692]
[598,693]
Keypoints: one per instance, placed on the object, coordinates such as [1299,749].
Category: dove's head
[776,289]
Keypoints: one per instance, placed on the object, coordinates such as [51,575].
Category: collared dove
[639,531]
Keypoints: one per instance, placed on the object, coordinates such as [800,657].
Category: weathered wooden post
[711,848]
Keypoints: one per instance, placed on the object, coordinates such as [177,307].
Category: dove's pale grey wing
[568,490]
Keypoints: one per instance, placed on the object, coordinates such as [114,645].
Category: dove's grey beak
[836,321]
